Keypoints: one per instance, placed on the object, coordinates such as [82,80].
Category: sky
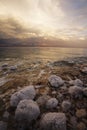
[56,19]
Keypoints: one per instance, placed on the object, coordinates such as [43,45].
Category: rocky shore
[43,96]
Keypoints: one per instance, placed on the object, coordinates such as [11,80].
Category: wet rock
[42,100]
[27,111]
[52,103]
[66,105]
[76,92]
[26,93]
[80,113]
[55,81]
[81,126]
[3,125]
[53,121]
[85,91]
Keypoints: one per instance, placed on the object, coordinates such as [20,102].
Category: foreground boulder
[55,81]
[53,121]
[76,92]
[26,112]
[52,103]
[26,93]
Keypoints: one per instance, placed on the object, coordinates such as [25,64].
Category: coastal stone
[27,111]
[55,81]
[66,105]
[52,103]
[76,82]
[26,93]
[6,115]
[42,100]
[85,91]
[53,121]
[81,126]
[80,113]
[73,121]
[5,65]
[3,125]
[84,70]
[76,92]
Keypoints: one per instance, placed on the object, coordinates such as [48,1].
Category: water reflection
[41,53]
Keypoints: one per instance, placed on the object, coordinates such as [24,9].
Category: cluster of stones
[28,107]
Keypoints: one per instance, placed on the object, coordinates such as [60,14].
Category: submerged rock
[27,111]
[52,103]
[76,92]
[53,121]
[66,105]
[3,125]
[26,93]
[55,81]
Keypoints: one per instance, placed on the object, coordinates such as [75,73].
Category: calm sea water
[41,53]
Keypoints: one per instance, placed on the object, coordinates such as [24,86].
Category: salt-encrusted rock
[84,70]
[3,125]
[42,100]
[81,113]
[26,93]
[66,105]
[52,103]
[81,126]
[55,81]
[6,116]
[76,82]
[76,92]
[53,121]
[85,91]
[27,111]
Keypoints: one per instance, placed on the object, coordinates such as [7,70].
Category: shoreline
[16,76]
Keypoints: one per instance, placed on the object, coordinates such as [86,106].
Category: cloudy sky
[62,19]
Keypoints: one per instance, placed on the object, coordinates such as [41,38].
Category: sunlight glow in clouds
[63,19]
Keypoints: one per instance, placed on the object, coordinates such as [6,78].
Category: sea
[41,53]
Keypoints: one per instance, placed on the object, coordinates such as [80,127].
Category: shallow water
[41,53]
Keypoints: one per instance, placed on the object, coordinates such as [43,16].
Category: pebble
[55,81]
[53,121]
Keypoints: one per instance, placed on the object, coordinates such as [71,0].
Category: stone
[6,116]
[66,105]
[84,70]
[42,100]
[26,93]
[76,82]
[3,125]
[27,111]
[73,121]
[80,113]
[52,103]
[81,126]
[85,91]
[13,68]
[55,81]
[53,121]
[76,92]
